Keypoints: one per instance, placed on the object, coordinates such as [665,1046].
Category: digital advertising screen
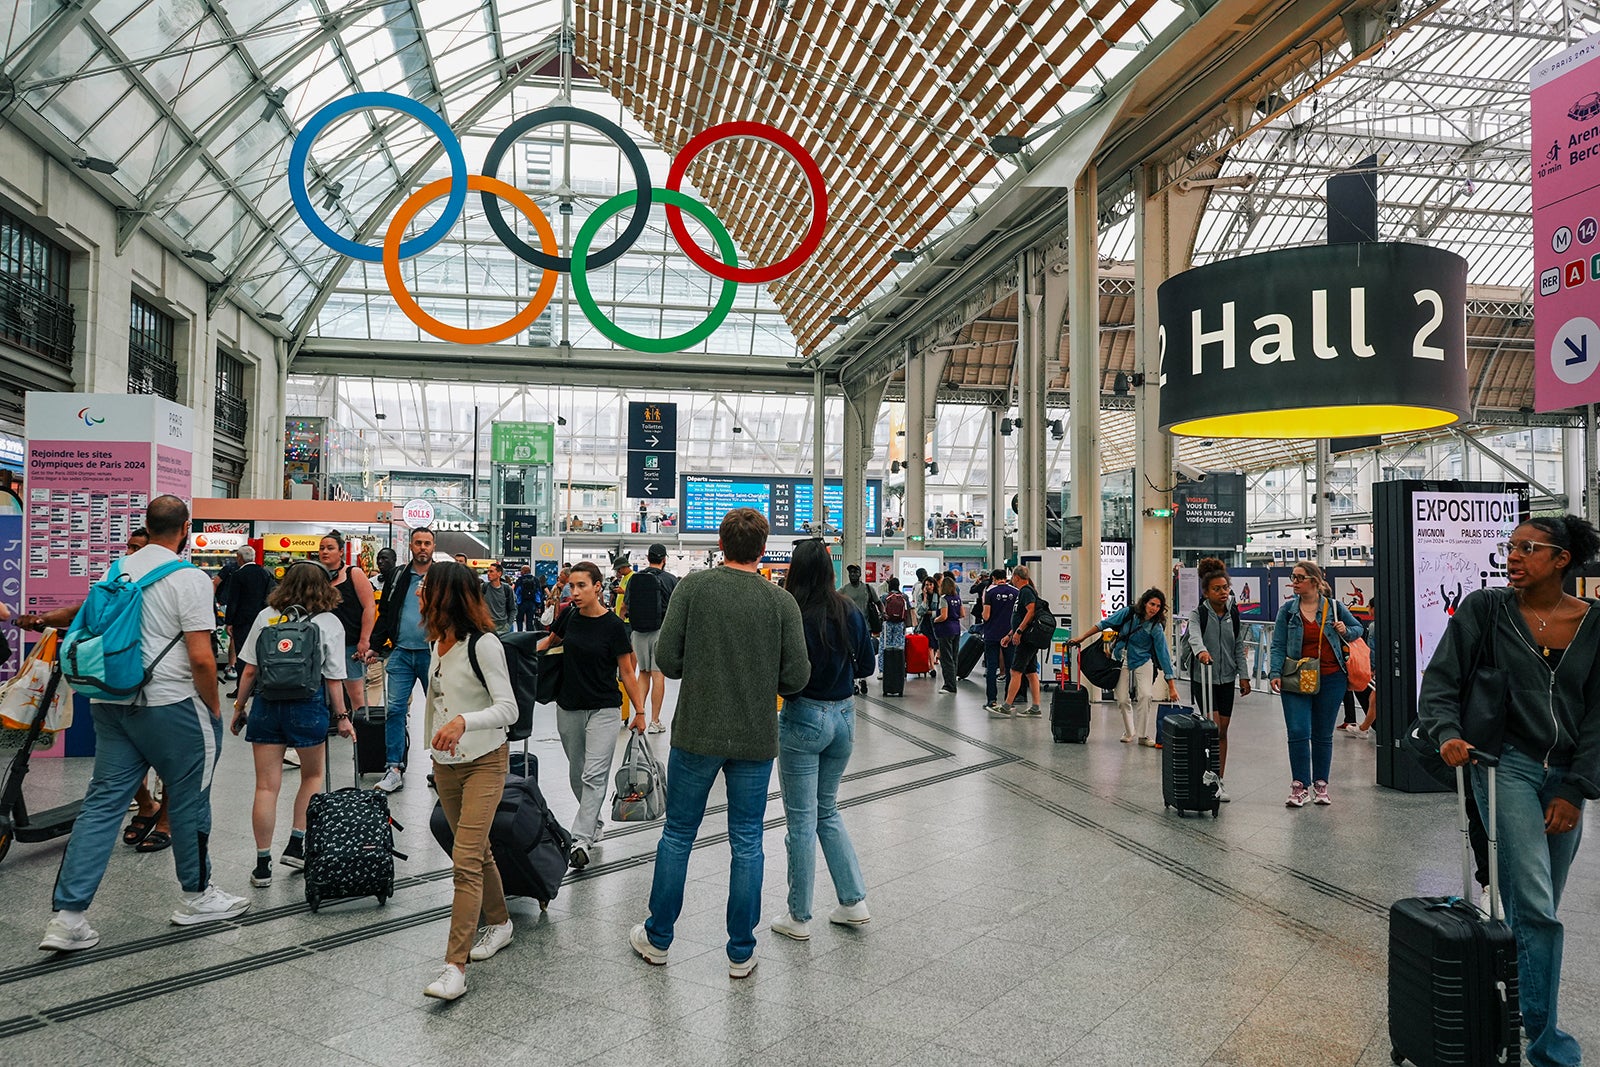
[786,502]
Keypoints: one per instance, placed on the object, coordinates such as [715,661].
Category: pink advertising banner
[83,498]
[1566,226]
[173,471]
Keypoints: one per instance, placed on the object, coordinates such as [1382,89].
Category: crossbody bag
[1304,675]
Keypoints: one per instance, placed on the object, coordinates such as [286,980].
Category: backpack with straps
[289,657]
[894,607]
[1233,613]
[102,656]
[522,664]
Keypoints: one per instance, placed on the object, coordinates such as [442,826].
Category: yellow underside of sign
[1338,420]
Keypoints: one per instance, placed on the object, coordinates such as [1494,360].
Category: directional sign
[652,475]
[524,443]
[652,427]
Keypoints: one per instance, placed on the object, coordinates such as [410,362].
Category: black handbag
[1095,663]
[1485,694]
[551,661]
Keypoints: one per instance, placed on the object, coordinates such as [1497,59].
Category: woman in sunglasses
[1310,636]
[1549,643]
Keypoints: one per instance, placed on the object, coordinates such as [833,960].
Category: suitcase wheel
[382,898]
[1216,810]
[544,905]
[1397,1056]
[314,899]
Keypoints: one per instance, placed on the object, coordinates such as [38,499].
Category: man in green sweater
[736,641]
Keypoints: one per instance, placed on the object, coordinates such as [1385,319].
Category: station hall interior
[1104,289]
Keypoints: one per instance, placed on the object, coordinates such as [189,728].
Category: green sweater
[737,641]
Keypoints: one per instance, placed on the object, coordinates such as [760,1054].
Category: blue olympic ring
[301,151]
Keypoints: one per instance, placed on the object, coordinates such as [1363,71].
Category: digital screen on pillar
[786,502]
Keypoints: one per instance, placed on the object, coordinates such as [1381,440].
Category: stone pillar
[860,422]
[1083,264]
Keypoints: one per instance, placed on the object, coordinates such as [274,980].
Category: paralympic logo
[89,420]
[493,191]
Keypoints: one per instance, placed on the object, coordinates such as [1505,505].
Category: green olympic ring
[580,277]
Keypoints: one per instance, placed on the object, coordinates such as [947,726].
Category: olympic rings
[301,150]
[819,202]
[580,279]
[578,117]
[490,187]
[492,190]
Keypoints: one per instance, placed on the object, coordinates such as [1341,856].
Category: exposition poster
[1566,226]
[1456,540]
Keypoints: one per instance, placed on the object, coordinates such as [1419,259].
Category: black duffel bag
[1095,664]
[530,847]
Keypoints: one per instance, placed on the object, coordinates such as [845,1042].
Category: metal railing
[37,322]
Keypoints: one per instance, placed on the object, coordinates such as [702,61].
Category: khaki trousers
[469,794]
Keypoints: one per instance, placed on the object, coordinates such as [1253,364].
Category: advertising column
[94,462]
[1566,226]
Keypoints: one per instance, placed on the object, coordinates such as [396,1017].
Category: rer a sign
[1322,341]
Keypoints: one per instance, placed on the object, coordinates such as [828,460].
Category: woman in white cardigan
[466,721]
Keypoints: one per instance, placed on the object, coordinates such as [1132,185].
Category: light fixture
[1119,384]
[271,316]
[331,195]
[1006,426]
[200,255]
[839,320]
[905,255]
[738,429]
[561,420]
[1057,431]
[1007,145]
[565,207]
[96,164]
[894,466]
[274,99]
[380,416]
[933,466]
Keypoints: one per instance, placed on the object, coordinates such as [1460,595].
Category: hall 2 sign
[1323,341]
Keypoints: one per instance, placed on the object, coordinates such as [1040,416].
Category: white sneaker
[1222,792]
[451,983]
[792,928]
[656,957]
[392,782]
[743,968]
[492,940]
[63,936]
[211,906]
[850,914]
[657,727]
[1483,906]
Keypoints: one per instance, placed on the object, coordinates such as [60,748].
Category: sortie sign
[1322,341]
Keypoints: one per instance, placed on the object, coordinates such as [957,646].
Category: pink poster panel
[174,472]
[1566,227]
[83,497]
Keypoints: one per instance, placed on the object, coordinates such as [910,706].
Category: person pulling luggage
[1141,647]
[1216,640]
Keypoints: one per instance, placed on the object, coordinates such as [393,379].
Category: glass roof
[197,103]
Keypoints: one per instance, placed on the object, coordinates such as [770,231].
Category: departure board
[786,502]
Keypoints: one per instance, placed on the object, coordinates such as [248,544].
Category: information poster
[1566,226]
[1052,572]
[1209,514]
[1456,539]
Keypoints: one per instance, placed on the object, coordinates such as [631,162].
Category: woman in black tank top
[357,611]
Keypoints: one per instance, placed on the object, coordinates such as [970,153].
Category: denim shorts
[296,723]
[354,667]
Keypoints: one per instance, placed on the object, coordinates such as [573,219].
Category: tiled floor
[1031,904]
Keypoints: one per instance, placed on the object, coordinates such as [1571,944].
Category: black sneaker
[579,858]
[294,854]
[261,877]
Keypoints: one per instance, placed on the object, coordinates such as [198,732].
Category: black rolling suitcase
[530,847]
[1452,972]
[369,721]
[349,846]
[894,672]
[1191,758]
[969,654]
[1069,709]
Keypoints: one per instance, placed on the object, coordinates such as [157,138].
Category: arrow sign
[652,426]
[652,474]
[650,488]
[1579,352]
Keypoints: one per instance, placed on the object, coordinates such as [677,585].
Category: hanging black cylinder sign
[1322,341]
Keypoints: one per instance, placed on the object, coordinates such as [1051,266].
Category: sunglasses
[1526,547]
[1300,577]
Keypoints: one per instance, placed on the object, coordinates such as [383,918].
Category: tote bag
[21,696]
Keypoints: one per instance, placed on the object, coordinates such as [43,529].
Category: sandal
[138,829]
[155,841]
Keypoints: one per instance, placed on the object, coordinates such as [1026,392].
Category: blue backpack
[103,656]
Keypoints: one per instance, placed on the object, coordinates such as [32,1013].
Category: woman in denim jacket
[816,734]
[1311,624]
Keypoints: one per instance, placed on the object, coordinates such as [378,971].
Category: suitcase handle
[1491,825]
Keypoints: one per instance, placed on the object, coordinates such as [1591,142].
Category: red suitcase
[919,660]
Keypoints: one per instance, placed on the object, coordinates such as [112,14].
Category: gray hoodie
[1552,716]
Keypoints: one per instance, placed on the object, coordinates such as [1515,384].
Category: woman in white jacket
[466,721]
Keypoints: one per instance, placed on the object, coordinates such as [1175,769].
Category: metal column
[1324,505]
[995,518]
[1591,468]
[860,422]
[1573,455]
[1084,381]
[819,456]
[1159,253]
[916,471]
[1031,472]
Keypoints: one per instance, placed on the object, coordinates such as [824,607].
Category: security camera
[1188,472]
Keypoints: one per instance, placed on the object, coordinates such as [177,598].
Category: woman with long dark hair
[816,734]
[1313,629]
[1141,647]
[1549,643]
[468,710]
[357,611]
[947,625]
[274,726]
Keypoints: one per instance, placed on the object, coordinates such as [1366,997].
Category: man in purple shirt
[999,600]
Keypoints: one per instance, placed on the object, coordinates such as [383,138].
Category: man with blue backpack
[154,705]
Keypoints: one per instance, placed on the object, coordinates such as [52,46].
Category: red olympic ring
[819,202]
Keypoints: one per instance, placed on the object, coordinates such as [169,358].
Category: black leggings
[947,659]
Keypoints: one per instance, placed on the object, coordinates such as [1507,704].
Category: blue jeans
[1533,873]
[815,739]
[181,741]
[996,669]
[1310,721]
[689,780]
[406,667]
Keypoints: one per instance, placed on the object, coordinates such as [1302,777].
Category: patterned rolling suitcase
[1452,972]
[1191,758]
[349,846]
